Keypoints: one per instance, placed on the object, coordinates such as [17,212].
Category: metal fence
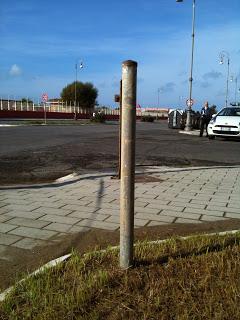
[63,107]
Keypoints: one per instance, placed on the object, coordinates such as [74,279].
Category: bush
[98,117]
[147,118]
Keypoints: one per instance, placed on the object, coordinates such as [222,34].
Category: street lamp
[188,122]
[159,90]
[236,87]
[222,56]
[75,93]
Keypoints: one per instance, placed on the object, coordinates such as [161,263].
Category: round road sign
[45,97]
[190,102]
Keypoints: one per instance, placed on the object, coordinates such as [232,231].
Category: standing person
[205,118]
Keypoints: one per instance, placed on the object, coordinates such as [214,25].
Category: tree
[26,100]
[86,94]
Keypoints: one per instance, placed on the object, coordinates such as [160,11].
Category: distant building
[155,112]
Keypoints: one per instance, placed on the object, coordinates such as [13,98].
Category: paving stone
[201,197]
[140,222]
[147,210]
[3,204]
[4,210]
[17,202]
[207,212]
[195,205]
[223,208]
[139,203]
[156,223]
[72,208]
[212,218]
[234,205]
[8,239]
[62,203]
[60,219]
[157,204]
[173,208]
[24,222]
[146,196]
[232,215]
[25,214]
[28,243]
[110,206]
[108,211]
[33,233]
[5,227]
[86,215]
[54,205]
[155,217]
[186,215]
[218,203]
[4,218]
[99,224]
[59,227]
[53,211]
[21,207]
[77,229]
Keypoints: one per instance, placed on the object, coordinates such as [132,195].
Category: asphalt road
[39,153]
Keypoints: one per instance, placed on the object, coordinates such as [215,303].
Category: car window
[229,112]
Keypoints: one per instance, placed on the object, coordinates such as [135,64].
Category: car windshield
[230,112]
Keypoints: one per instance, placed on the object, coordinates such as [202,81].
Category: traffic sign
[44,97]
[190,102]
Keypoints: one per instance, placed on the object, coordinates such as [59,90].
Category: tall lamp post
[236,87]
[188,126]
[225,55]
[75,89]
[158,91]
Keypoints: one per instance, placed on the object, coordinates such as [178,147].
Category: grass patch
[197,278]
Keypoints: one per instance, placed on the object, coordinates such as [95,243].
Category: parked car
[226,123]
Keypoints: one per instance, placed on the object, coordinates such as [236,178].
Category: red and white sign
[190,102]
[44,97]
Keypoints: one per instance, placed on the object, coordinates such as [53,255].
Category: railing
[64,107]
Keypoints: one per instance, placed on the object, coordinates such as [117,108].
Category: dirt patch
[19,261]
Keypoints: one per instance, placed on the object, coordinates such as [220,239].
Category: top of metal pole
[129,63]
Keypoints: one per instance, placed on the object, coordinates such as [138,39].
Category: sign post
[128,136]
[190,102]
[44,100]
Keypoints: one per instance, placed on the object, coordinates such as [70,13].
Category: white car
[226,123]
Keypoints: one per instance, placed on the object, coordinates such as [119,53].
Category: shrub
[147,118]
[98,117]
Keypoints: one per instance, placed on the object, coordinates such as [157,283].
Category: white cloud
[15,70]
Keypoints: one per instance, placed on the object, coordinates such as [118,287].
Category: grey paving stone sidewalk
[32,216]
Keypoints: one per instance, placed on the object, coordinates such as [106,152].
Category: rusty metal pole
[129,79]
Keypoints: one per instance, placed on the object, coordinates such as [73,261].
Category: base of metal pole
[188,126]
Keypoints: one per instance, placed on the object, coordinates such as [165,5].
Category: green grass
[197,278]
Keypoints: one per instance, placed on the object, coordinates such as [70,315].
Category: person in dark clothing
[205,118]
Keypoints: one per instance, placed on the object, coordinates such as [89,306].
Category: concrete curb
[191,133]
[57,261]
[74,177]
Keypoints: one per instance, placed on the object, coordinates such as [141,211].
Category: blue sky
[41,41]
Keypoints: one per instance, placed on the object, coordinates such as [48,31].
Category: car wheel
[211,137]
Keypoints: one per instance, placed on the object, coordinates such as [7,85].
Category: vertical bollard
[120,131]
[129,79]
